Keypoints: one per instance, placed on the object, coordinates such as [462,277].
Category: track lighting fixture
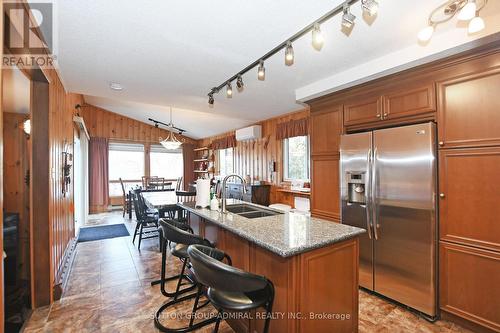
[370,7]
[464,10]
[289,54]
[239,83]
[347,18]
[468,11]
[261,71]
[317,37]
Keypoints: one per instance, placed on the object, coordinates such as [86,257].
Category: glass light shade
[468,11]
[27,126]
[289,57]
[317,38]
[476,25]
[426,33]
[370,7]
[229,90]
[261,72]
[171,145]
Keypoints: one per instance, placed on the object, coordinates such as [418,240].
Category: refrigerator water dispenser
[356,186]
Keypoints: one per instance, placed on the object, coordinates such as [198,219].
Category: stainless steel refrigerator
[388,187]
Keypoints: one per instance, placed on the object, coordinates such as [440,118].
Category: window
[166,163]
[296,158]
[226,161]
[126,161]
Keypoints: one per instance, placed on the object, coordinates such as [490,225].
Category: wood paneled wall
[253,157]
[15,189]
[106,124]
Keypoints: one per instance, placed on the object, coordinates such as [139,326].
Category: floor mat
[88,234]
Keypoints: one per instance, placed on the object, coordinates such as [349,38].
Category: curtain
[98,170]
[288,129]
[225,142]
[188,160]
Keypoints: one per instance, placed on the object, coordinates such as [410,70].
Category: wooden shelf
[201,149]
[202,160]
[201,171]
[285,190]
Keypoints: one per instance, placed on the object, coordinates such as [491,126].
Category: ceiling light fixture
[170,142]
[371,6]
[116,86]
[229,90]
[317,37]
[476,25]
[347,18]
[261,71]
[464,10]
[289,54]
[239,83]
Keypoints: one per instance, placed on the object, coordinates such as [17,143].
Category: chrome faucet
[223,193]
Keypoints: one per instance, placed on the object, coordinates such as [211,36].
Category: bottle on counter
[214,202]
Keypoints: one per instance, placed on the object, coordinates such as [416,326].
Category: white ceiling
[168,53]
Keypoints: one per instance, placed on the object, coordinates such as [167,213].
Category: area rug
[88,234]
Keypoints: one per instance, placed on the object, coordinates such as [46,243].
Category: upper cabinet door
[326,128]
[363,111]
[469,110]
[410,102]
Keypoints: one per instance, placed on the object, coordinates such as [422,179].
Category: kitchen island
[312,263]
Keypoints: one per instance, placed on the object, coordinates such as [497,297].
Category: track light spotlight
[211,99]
[317,37]
[261,71]
[468,12]
[347,18]
[370,7]
[229,90]
[289,57]
[239,82]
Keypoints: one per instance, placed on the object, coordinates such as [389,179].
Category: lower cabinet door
[469,284]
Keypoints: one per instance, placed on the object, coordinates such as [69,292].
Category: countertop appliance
[388,187]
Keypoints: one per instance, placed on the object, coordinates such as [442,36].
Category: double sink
[250,211]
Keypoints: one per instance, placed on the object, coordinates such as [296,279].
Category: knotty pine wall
[106,124]
[253,157]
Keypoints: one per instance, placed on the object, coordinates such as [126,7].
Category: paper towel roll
[203,193]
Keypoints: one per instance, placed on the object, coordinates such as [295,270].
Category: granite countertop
[285,234]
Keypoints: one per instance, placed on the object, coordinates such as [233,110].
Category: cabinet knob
[378,115]
[385,114]
[441,195]
[441,143]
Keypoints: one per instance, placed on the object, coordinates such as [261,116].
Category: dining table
[165,201]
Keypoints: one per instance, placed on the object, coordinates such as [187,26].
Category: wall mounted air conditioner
[249,133]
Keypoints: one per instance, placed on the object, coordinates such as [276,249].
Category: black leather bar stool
[230,288]
[182,237]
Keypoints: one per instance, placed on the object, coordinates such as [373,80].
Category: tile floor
[109,291]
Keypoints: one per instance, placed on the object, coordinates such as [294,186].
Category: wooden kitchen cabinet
[469,284]
[469,204]
[362,111]
[409,102]
[325,187]
[326,128]
[469,110]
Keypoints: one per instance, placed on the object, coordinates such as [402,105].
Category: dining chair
[147,219]
[125,199]
[184,196]
[178,184]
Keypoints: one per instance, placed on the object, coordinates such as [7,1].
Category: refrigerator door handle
[374,202]
[368,196]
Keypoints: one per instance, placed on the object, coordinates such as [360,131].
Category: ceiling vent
[249,133]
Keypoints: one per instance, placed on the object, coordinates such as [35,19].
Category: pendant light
[170,142]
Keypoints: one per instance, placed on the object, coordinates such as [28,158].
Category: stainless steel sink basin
[250,212]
